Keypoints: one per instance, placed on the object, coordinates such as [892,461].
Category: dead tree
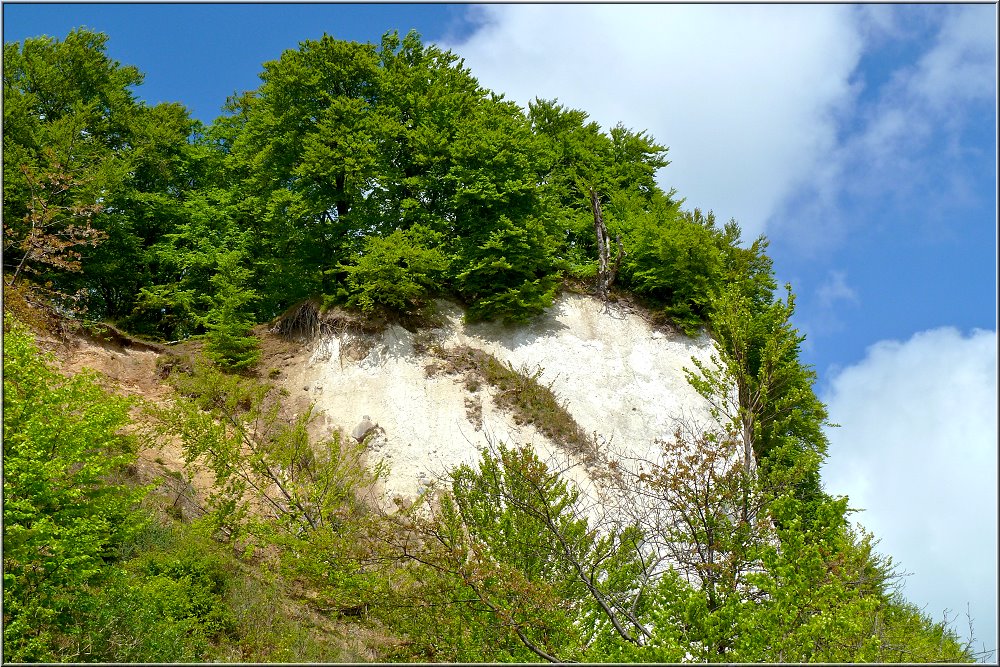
[606,270]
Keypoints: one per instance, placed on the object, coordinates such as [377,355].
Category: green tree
[507,273]
[826,596]
[165,163]
[173,304]
[504,265]
[428,101]
[578,156]
[582,170]
[751,572]
[344,142]
[69,97]
[302,152]
[64,108]
[229,339]
[64,511]
[748,268]
[759,387]
[512,540]
[673,258]
[85,161]
[54,228]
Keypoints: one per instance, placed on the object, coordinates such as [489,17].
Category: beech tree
[66,111]
[84,162]
[346,141]
[758,386]
[263,465]
[53,229]
[175,303]
[582,170]
[674,259]
[515,537]
[396,271]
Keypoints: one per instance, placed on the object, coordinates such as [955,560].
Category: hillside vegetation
[366,181]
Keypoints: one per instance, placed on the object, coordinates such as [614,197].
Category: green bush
[675,260]
[63,520]
[184,597]
[396,271]
[144,619]
[511,274]
[170,602]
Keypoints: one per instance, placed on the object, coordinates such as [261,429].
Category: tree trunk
[606,271]
[343,206]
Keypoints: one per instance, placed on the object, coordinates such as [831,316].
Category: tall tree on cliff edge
[345,140]
[583,172]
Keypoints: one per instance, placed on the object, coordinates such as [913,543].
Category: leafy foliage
[372,174]
[752,572]
[396,271]
[53,229]
[64,514]
[263,465]
[760,389]
[512,541]
[170,605]
[188,258]
[230,342]
[85,162]
[507,274]
[277,488]
[674,259]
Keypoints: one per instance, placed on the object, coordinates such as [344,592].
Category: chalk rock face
[619,377]
[363,428]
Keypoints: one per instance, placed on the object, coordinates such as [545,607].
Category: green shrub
[673,258]
[143,619]
[509,275]
[184,597]
[396,271]
[62,519]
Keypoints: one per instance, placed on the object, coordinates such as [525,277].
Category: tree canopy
[344,150]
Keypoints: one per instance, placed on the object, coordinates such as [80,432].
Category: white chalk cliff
[618,376]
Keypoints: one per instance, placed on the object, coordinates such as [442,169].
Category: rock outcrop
[620,378]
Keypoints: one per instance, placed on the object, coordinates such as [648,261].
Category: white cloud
[957,70]
[760,105]
[917,448]
[744,96]
[961,67]
[879,22]
[835,288]
[832,297]
[906,141]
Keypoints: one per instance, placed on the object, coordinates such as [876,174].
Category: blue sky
[861,139]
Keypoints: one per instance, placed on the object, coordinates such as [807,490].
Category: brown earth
[132,367]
